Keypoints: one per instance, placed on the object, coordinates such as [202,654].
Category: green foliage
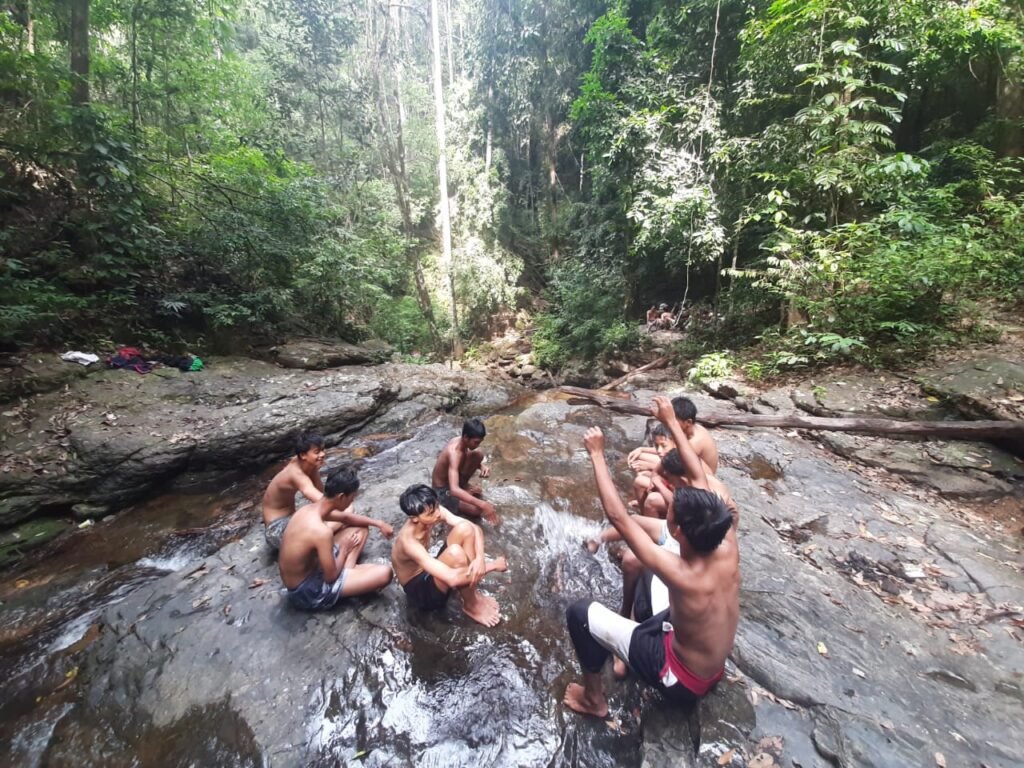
[585,317]
[714,365]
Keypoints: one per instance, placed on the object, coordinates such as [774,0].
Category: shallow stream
[428,690]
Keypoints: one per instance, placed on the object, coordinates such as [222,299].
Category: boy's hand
[488,513]
[476,571]
[662,410]
[485,471]
[386,529]
[593,440]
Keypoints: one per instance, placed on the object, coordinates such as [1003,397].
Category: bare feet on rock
[481,608]
[592,546]
[499,564]
[577,700]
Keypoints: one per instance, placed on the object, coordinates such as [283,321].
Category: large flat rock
[107,440]
[877,629]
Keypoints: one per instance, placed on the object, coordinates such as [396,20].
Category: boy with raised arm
[300,475]
[458,461]
[428,580]
[685,414]
[681,650]
[319,563]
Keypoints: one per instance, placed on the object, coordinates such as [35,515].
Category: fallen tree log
[948,430]
[659,363]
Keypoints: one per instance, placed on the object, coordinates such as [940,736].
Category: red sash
[686,678]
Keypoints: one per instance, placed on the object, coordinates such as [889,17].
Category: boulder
[321,354]
[35,373]
[986,388]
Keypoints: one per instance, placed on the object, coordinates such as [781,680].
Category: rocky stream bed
[881,621]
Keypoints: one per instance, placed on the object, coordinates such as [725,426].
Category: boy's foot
[619,669]
[499,564]
[481,608]
[577,700]
[592,545]
[634,504]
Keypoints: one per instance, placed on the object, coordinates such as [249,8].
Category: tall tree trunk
[447,264]
[1010,110]
[451,42]
[23,13]
[393,156]
[79,45]
[490,129]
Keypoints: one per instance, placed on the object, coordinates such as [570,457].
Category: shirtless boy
[681,650]
[428,581]
[662,443]
[457,463]
[703,443]
[319,562]
[301,474]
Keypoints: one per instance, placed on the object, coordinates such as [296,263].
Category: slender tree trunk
[447,264]
[23,15]
[451,42]
[490,130]
[1010,111]
[79,44]
[134,52]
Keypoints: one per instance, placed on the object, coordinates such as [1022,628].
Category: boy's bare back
[307,534]
[279,498]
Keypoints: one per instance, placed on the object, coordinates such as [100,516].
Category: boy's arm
[453,577]
[663,563]
[309,489]
[351,518]
[455,488]
[330,566]
[662,409]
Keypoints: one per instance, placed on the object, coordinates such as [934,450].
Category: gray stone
[320,354]
[989,388]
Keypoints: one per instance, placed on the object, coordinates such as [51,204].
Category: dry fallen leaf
[771,744]
[940,760]
[859,673]
[257,583]
[762,760]
[822,649]
[726,757]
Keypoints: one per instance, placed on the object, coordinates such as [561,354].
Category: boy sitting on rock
[428,580]
[458,461]
[318,563]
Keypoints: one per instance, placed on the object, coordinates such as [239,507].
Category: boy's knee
[631,563]
[457,555]
[576,613]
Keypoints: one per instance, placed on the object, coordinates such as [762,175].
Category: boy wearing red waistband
[681,650]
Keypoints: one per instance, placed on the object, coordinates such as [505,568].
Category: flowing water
[494,702]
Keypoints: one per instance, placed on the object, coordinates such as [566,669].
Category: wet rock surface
[879,627]
[107,440]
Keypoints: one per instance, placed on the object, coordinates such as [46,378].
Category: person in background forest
[681,650]
[652,317]
[458,461]
[428,580]
[319,564]
[300,475]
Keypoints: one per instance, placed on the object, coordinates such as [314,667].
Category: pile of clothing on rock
[135,359]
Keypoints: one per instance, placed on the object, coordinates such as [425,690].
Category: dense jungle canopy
[828,176]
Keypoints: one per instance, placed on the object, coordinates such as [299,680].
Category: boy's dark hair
[672,463]
[342,480]
[474,428]
[684,408]
[702,516]
[417,499]
[660,430]
[307,440]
